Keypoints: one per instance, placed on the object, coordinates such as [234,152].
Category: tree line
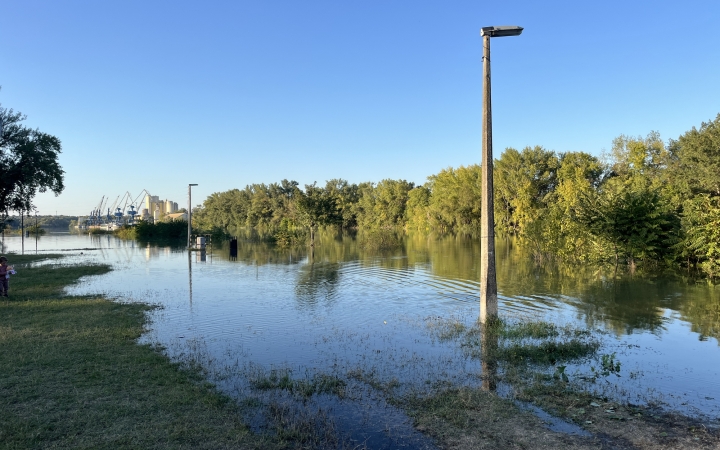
[44,221]
[646,202]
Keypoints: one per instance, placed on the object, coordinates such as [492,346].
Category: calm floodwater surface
[344,308]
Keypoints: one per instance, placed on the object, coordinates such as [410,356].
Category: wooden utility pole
[488,281]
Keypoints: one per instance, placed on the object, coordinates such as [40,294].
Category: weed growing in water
[610,365]
[560,374]
[532,330]
[306,427]
[548,352]
[537,343]
[445,330]
[281,379]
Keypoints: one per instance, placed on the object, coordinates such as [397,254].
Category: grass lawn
[73,376]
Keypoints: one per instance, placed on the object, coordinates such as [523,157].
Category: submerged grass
[529,359]
[533,330]
[306,428]
[282,379]
[532,342]
[547,353]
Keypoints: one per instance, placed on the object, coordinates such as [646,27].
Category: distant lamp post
[190,213]
[488,281]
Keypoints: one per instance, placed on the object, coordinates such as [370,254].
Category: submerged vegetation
[537,343]
[649,203]
[383,239]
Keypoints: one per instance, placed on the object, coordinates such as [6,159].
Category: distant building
[157,210]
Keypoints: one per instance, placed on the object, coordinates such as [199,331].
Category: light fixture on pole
[190,213]
[488,281]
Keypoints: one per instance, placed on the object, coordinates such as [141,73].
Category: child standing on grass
[5,272]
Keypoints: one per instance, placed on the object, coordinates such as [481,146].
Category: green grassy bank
[73,376]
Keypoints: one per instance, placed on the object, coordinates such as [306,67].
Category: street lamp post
[190,213]
[488,281]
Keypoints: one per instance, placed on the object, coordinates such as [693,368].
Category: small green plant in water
[548,352]
[533,330]
[282,380]
[609,365]
[560,374]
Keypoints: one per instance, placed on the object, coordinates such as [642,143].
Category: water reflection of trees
[702,310]
[622,301]
[317,284]
[260,253]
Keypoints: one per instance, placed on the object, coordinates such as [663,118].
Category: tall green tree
[696,159]
[316,207]
[417,211]
[261,206]
[455,198]
[382,206]
[557,231]
[633,221]
[222,210]
[700,245]
[28,163]
[346,195]
[639,162]
[522,180]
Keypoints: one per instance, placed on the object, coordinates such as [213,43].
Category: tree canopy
[696,158]
[28,163]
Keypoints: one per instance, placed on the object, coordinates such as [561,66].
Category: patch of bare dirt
[475,419]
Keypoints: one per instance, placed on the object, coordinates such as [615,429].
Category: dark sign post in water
[488,282]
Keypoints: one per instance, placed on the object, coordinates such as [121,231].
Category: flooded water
[345,310]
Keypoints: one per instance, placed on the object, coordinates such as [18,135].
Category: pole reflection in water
[489,344]
[190,276]
[233,249]
[201,256]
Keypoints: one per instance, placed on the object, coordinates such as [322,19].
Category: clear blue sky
[158,94]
